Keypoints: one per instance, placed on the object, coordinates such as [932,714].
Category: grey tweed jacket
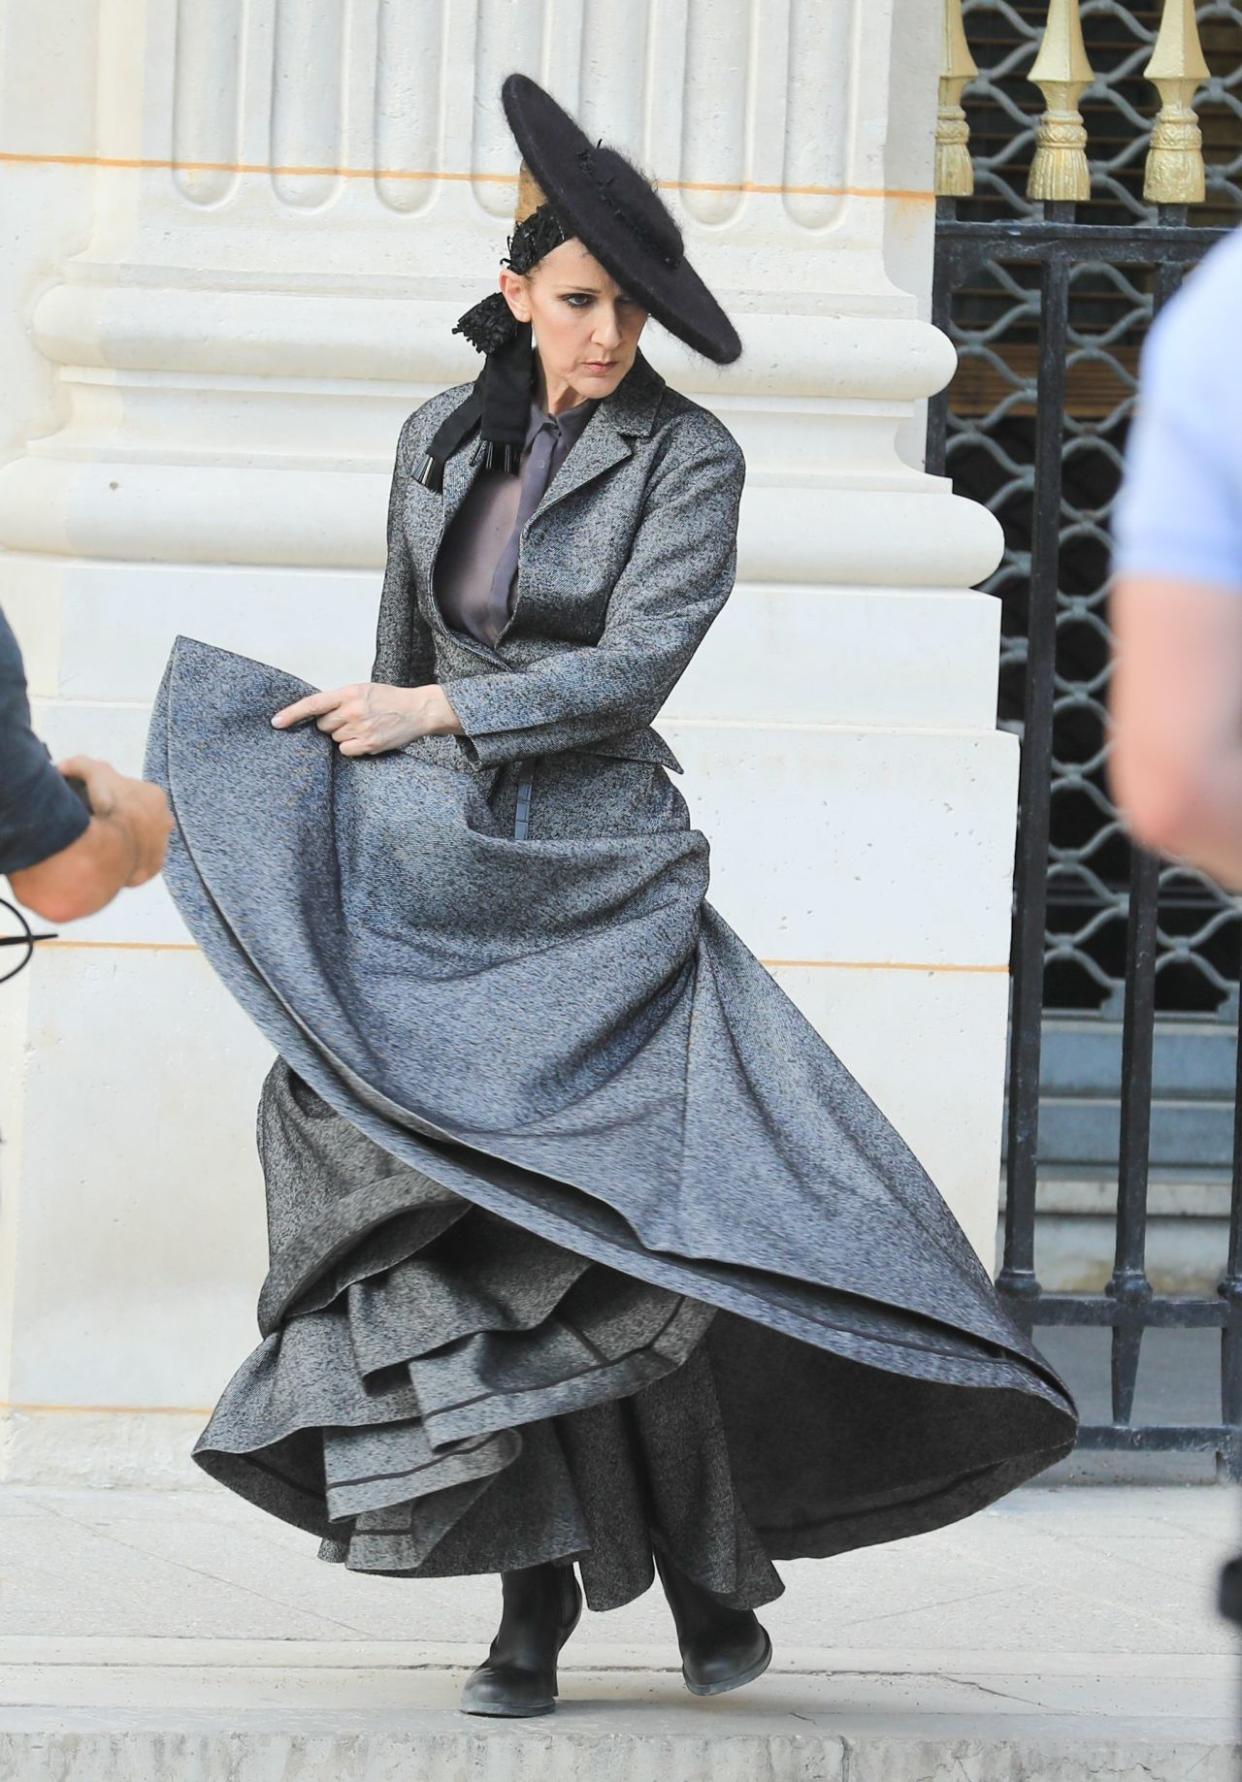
[623,566]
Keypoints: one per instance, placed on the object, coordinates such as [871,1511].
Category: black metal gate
[1048,308]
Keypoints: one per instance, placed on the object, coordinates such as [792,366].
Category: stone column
[289,203]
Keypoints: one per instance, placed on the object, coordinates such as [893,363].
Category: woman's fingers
[347,715]
[315,705]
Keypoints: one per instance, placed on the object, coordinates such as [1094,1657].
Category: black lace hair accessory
[500,399]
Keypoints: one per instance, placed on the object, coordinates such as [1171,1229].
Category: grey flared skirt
[582,1239]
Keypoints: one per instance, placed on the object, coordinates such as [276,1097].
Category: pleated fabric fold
[452,1352]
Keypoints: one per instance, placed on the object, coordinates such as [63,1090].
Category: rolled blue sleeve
[1179,511]
[39,814]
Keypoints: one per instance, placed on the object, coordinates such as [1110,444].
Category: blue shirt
[39,814]
[1179,513]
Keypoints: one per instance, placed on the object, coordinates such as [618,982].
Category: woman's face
[585,323]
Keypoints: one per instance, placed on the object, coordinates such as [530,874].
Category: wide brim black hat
[603,200]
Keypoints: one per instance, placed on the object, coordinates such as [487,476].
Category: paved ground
[1178,1382]
[1069,1632]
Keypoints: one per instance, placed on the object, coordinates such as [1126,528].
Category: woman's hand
[368,717]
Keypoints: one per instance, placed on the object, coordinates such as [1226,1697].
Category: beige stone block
[857,846]
[136,1221]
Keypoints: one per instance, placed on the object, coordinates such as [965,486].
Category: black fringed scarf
[500,399]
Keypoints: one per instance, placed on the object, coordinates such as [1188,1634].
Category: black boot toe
[518,1677]
[727,1664]
[494,1688]
[721,1647]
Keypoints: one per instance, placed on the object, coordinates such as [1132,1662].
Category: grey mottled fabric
[627,560]
[582,1238]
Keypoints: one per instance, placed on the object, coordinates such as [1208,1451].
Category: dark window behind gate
[1122,1083]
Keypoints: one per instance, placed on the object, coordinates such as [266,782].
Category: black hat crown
[634,201]
[603,200]
[571,188]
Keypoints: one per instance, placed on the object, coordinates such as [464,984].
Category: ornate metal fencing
[1048,304]
[994,319]
[1118,38]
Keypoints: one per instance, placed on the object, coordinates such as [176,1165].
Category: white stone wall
[239,235]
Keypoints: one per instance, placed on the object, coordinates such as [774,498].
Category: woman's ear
[514,290]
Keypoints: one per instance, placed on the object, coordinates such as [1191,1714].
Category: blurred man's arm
[1176,705]
[1175,767]
[62,860]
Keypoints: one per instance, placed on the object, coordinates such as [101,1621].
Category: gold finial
[955,177]
[1062,72]
[529,194]
[1174,172]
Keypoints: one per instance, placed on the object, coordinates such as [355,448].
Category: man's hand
[123,845]
[369,717]
[140,809]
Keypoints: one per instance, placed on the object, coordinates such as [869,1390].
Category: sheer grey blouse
[476,566]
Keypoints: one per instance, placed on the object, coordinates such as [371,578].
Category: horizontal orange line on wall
[141,163]
[880,965]
[819,964]
[68,946]
[109,1410]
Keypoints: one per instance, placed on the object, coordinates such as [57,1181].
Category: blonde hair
[530,194]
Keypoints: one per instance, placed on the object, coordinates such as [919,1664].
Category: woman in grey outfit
[585,1246]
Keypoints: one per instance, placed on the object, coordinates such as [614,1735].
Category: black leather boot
[721,1648]
[542,1606]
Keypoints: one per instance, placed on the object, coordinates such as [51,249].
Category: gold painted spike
[955,176]
[1061,71]
[1174,171]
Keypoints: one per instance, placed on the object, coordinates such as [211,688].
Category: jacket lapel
[606,438]
[459,474]
[597,449]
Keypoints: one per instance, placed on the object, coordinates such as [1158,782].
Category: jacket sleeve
[404,648]
[678,576]
[39,814]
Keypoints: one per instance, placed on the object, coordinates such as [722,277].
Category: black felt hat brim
[676,296]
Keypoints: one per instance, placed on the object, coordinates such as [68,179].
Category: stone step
[181,1636]
[378,1711]
[1189,1058]
[1187,1238]
[1085,1130]
[1194,1065]
[1187,1192]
